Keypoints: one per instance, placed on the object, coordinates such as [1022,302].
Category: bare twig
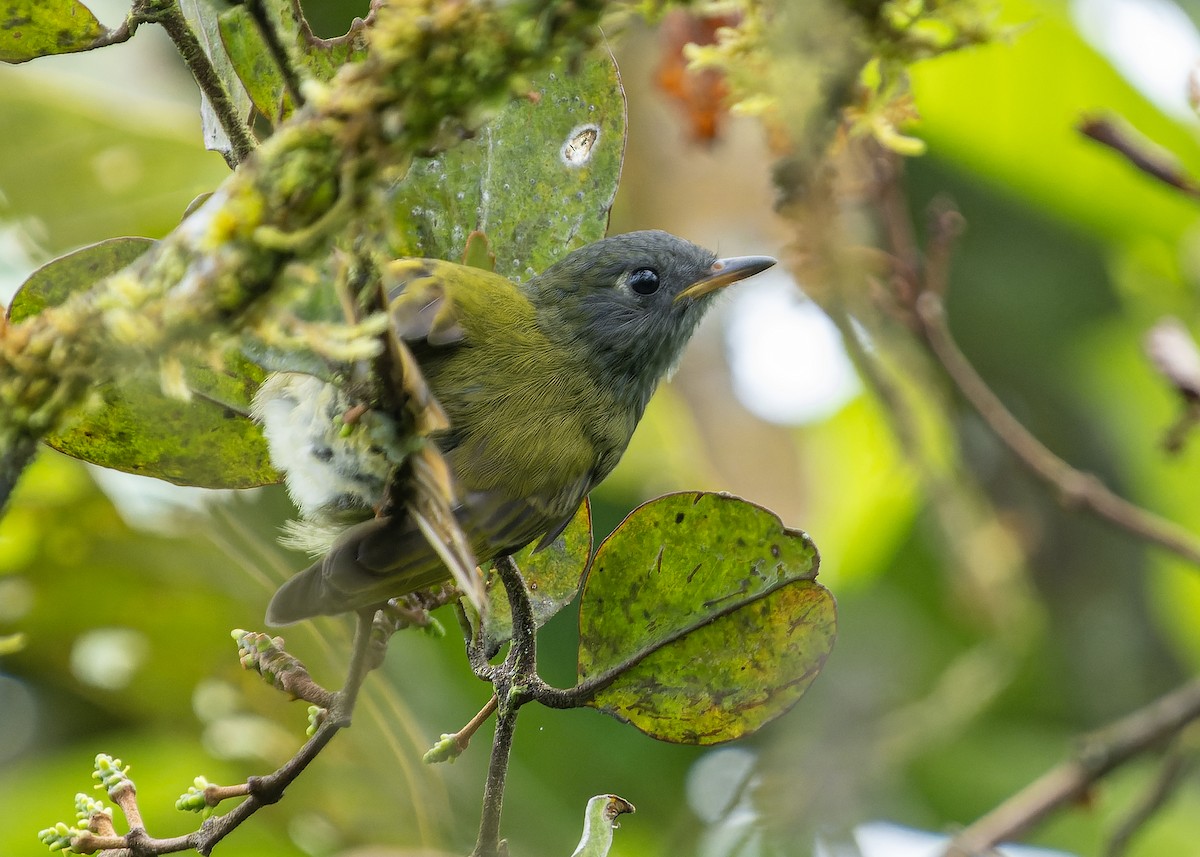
[1170,774]
[919,286]
[1099,754]
[1077,488]
[1173,351]
[269,789]
[462,738]
[13,462]
[1140,152]
[511,684]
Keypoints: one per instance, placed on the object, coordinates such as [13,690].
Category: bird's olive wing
[419,309]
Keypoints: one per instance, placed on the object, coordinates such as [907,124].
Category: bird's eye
[644,281]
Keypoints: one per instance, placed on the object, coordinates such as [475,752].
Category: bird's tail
[302,596]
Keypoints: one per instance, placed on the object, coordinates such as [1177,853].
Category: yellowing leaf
[708,608]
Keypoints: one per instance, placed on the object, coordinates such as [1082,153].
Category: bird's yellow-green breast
[527,416]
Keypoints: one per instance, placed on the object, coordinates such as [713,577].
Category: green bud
[447,749]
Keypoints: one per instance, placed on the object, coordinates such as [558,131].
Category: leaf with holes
[706,609]
[538,180]
[207,442]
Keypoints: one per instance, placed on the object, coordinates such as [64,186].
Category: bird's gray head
[628,304]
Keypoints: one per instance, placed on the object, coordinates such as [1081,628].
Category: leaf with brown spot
[709,609]
[38,28]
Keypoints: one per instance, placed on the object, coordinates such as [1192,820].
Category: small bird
[542,382]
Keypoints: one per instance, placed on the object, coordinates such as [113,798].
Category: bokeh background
[982,625]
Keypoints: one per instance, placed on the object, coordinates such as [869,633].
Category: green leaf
[38,28]
[538,180]
[600,820]
[254,65]
[552,577]
[207,442]
[261,75]
[716,602]
[54,282]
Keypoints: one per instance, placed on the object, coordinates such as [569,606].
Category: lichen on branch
[433,70]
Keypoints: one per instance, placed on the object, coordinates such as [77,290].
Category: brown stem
[213,795]
[1069,782]
[463,736]
[13,462]
[1076,488]
[1139,152]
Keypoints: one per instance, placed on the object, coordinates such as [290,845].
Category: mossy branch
[432,65]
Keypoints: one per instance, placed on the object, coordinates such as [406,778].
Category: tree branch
[290,198]
[921,283]
[1076,488]
[168,15]
[1141,153]
[511,683]
[1067,783]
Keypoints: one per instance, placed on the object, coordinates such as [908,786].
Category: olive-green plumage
[543,384]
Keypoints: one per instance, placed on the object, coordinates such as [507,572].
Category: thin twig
[919,288]
[463,736]
[1142,154]
[511,684]
[1170,774]
[13,462]
[1077,488]
[269,789]
[476,656]
[1067,783]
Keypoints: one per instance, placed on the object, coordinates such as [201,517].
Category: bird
[542,383]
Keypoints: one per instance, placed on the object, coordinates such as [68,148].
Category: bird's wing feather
[389,556]
[418,304]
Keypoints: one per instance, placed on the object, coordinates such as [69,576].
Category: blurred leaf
[206,442]
[204,22]
[538,180]
[10,643]
[719,601]
[990,111]
[57,280]
[552,577]
[38,28]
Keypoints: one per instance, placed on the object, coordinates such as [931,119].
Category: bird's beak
[726,271]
